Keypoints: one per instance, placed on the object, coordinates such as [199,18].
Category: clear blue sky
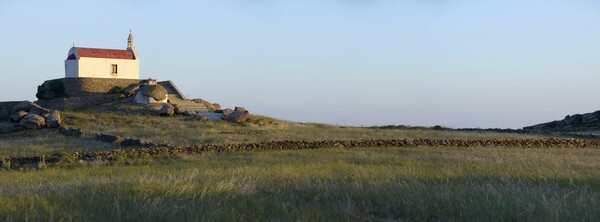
[456,63]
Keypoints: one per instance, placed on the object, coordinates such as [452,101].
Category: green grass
[188,131]
[420,184]
[46,141]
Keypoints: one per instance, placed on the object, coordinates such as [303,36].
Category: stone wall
[76,103]
[80,87]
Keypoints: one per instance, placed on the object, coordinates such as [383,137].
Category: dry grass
[421,184]
[189,131]
[46,141]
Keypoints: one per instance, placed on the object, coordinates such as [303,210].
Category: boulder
[227,112]
[157,92]
[240,109]
[130,90]
[37,109]
[22,106]
[167,110]
[17,116]
[188,113]
[151,94]
[238,117]
[209,106]
[6,127]
[32,121]
[217,106]
[53,119]
[178,109]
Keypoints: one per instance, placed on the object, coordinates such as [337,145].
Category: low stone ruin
[27,115]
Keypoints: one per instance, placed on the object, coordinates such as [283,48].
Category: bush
[116,90]
[54,89]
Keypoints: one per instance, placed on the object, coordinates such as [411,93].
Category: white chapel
[103,63]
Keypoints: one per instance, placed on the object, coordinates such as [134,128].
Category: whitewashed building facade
[103,63]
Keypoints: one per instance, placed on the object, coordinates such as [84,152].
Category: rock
[4,114]
[198,100]
[32,121]
[37,109]
[209,106]
[157,92]
[141,99]
[22,106]
[108,138]
[132,142]
[130,90]
[18,116]
[6,127]
[151,94]
[178,109]
[238,117]
[240,109]
[217,106]
[167,110]
[203,119]
[53,119]
[70,132]
[189,113]
[227,112]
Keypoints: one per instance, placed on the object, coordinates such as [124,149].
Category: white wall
[71,68]
[102,68]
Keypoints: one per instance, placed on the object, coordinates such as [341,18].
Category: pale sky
[505,64]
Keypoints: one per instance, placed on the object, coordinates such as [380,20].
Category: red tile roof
[105,53]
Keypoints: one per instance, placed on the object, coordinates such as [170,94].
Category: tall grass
[46,141]
[453,184]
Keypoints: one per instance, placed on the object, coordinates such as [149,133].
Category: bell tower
[130,41]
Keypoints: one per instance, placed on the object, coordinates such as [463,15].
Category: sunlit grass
[326,184]
[46,141]
[188,131]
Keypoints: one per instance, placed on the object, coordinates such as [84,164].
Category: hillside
[571,123]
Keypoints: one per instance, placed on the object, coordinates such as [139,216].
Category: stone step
[189,105]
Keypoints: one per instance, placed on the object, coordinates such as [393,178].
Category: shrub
[116,90]
[54,89]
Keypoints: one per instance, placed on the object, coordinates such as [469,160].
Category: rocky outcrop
[577,122]
[240,114]
[167,110]
[17,116]
[32,121]
[151,94]
[227,112]
[131,90]
[177,109]
[28,115]
[53,119]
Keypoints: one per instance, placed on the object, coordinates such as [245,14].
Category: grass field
[45,142]
[415,184]
[188,131]
[421,184]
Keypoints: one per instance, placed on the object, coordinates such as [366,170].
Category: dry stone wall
[78,102]
[81,87]
[141,148]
